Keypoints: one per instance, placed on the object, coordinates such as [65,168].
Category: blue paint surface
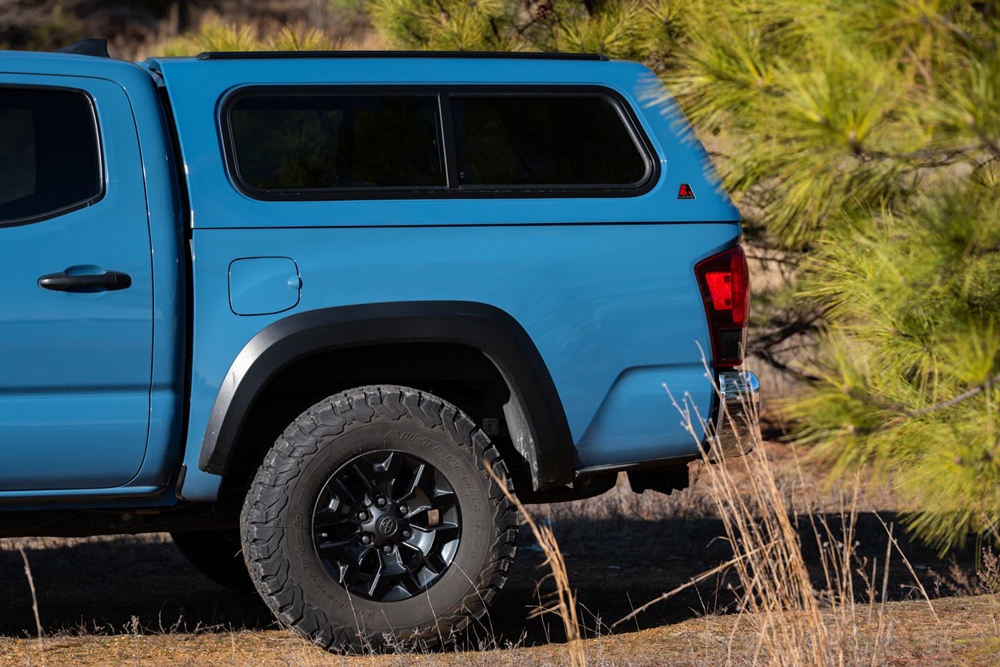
[75,375]
[91,385]
[596,300]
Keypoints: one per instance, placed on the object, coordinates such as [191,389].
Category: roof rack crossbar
[254,55]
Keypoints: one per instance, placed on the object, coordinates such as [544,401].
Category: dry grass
[794,623]
[963,638]
[562,601]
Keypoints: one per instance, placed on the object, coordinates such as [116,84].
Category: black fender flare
[535,416]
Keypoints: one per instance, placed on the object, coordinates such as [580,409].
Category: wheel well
[460,374]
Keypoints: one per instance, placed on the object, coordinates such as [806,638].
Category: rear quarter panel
[614,310]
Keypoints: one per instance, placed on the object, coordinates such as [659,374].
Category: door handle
[100,282]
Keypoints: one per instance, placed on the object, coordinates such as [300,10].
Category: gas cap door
[263,285]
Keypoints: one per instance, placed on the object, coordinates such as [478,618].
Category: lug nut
[406,534]
[387,549]
[404,510]
[366,539]
[380,501]
[362,515]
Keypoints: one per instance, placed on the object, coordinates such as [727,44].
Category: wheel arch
[534,413]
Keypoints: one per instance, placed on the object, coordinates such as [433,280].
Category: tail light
[725,289]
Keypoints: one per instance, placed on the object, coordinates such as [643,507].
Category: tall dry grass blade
[885,593]
[34,605]
[909,567]
[564,604]
[669,594]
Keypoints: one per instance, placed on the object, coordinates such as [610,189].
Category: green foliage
[910,375]
[863,138]
[217,35]
[838,107]
[636,29]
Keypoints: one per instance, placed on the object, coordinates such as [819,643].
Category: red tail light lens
[725,289]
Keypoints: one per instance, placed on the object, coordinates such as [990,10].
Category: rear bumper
[737,426]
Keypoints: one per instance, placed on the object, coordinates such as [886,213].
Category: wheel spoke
[390,476]
[444,501]
[363,513]
[334,548]
[343,492]
[411,583]
[352,564]
[424,560]
[366,475]
[441,503]
[326,517]
[418,476]
[419,532]
[435,563]
[445,533]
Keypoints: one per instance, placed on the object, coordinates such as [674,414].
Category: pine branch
[443,10]
[964,396]
[773,362]
[930,158]
[905,412]
[803,324]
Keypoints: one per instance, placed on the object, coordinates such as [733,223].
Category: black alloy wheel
[387,525]
[380,519]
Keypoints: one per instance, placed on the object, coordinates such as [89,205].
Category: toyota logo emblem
[386,525]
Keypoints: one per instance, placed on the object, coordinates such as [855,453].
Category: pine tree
[865,137]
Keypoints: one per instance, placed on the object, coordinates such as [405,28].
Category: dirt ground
[134,600]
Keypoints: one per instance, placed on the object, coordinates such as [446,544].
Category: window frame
[453,188]
[101,163]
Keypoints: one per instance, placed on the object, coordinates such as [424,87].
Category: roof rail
[87,47]
[520,55]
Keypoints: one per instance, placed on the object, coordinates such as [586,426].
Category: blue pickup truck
[310,312]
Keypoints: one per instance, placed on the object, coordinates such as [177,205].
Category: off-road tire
[218,554]
[276,522]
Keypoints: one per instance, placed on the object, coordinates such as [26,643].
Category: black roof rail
[520,55]
[87,47]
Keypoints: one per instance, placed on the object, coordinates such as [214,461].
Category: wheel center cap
[386,525]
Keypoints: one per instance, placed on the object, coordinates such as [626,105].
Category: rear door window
[51,154]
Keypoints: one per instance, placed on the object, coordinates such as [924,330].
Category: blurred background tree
[136,29]
[860,139]
[636,30]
